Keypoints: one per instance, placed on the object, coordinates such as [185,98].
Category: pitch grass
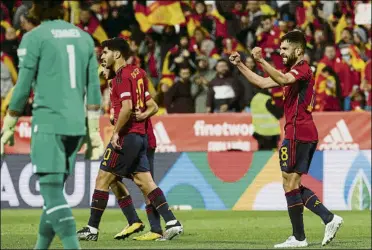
[203,230]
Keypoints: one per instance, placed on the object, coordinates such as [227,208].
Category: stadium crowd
[186,56]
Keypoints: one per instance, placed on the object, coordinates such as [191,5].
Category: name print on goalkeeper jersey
[61,57]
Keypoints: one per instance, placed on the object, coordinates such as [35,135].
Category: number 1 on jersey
[71,64]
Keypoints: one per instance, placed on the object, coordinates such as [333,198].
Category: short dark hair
[118,44]
[329,44]
[265,17]
[295,36]
[46,10]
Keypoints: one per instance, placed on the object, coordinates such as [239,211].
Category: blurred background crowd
[184,47]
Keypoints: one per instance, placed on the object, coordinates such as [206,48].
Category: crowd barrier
[222,132]
[195,170]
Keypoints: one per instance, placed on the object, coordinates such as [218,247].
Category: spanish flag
[4,25]
[191,25]
[126,34]
[221,25]
[356,61]
[94,28]
[158,13]
[341,25]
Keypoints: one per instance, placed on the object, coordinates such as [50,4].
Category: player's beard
[291,60]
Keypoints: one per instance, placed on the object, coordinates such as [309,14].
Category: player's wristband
[9,122]
[93,121]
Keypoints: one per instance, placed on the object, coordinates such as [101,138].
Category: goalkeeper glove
[7,132]
[95,147]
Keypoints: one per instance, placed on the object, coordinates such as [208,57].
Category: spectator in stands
[361,42]
[357,100]
[134,59]
[90,23]
[149,49]
[328,91]
[201,43]
[169,39]
[249,89]
[265,119]
[342,70]
[366,84]
[180,54]
[10,44]
[254,16]
[225,90]
[178,99]
[200,81]
[346,38]
[317,52]
[268,38]
[214,29]
[21,11]
[120,17]
[6,81]
[200,17]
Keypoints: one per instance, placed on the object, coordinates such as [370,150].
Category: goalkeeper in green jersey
[61,59]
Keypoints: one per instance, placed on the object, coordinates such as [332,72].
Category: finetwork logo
[201,128]
[163,142]
[339,138]
[238,130]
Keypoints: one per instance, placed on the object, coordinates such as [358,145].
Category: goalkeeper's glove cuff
[93,121]
[9,122]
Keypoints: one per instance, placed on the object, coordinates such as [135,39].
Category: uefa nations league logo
[357,188]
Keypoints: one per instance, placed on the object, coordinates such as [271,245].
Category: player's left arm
[28,54]
[276,75]
[125,98]
[151,106]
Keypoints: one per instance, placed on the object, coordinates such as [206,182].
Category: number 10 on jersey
[140,91]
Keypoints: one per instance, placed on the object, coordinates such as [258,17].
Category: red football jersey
[299,101]
[150,135]
[130,83]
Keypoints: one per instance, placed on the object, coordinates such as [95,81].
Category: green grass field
[203,229]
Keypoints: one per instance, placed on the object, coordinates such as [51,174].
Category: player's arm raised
[276,75]
[93,109]
[28,54]
[259,81]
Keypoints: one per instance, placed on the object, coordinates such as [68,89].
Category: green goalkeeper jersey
[61,60]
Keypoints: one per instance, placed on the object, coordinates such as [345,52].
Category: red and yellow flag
[95,29]
[159,13]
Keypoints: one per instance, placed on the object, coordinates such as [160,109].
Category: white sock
[93,229]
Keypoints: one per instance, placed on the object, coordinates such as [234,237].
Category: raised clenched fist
[257,54]
[234,58]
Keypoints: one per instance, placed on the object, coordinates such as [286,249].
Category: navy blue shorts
[130,159]
[150,157]
[296,156]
